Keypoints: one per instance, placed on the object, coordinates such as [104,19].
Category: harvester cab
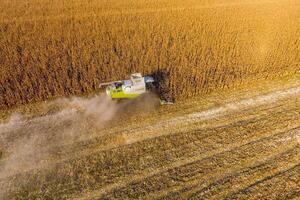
[129,89]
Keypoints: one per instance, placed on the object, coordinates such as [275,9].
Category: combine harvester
[132,88]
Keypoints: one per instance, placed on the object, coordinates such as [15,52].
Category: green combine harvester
[131,88]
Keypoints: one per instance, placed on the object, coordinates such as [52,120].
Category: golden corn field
[55,48]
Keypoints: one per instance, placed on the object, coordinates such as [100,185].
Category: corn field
[56,48]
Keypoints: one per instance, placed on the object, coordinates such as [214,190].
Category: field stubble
[248,148]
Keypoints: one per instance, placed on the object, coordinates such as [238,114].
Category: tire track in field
[136,165]
[205,168]
[286,181]
[174,150]
[148,132]
[215,129]
[87,151]
[198,158]
[7,130]
[216,112]
[221,122]
[163,128]
[109,141]
[266,168]
[247,114]
[211,186]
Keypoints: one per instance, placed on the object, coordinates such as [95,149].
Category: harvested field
[242,144]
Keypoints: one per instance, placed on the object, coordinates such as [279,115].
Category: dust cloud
[27,143]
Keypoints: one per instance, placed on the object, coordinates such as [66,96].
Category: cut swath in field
[253,142]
